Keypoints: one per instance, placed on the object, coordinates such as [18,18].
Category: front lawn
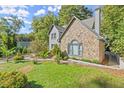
[52,75]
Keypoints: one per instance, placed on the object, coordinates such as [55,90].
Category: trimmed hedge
[12,80]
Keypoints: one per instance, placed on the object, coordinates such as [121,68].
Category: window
[75,48]
[53,36]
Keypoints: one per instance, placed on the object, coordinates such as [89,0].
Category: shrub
[12,80]
[58,58]
[74,58]
[64,55]
[18,56]
[34,62]
[86,60]
[95,61]
[22,50]
[44,54]
[55,50]
[65,58]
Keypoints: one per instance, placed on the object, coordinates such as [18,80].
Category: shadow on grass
[33,84]
[101,82]
[20,61]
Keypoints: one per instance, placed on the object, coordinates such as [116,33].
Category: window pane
[75,50]
[80,50]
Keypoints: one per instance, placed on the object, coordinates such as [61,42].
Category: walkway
[90,64]
[38,59]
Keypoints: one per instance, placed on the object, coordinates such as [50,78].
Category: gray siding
[53,41]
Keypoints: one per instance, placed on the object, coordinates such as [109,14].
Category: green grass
[52,75]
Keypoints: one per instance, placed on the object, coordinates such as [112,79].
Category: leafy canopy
[68,11]
[113,28]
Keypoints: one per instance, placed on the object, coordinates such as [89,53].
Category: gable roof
[88,23]
[59,28]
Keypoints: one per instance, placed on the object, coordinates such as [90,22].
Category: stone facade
[92,47]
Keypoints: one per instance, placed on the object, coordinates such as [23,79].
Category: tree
[41,27]
[7,52]
[67,11]
[113,28]
[10,27]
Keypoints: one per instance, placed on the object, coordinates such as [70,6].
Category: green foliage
[41,27]
[68,11]
[18,57]
[89,60]
[7,52]
[64,55]
[34,62]
[95,61]
[59,55]
[58,58]
[55,50]
[22,50]
[75,58]
[44,54]
[12,80]
[8,29]
[113,28]
[86,60]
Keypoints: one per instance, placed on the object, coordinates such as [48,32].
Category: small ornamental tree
[7,52]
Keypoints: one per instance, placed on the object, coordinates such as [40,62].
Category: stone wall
[88,39]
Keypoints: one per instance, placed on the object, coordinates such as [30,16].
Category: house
[81,38]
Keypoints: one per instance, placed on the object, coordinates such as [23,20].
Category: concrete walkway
[38,59]
[90,64]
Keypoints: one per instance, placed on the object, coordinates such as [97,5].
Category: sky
[28,12]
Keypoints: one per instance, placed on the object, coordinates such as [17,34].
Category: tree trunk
[7,59]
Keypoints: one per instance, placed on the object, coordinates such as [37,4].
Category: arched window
[75,48]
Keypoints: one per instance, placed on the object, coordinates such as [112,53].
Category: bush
[34,62]
[22,50]
[64,55]
[18,56]
[55,50]
[44,54]
[86,60]
[58,58]
[74,58]
[95,61]
[65,58]
[12,80]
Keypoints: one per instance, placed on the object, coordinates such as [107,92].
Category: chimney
[97,20]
